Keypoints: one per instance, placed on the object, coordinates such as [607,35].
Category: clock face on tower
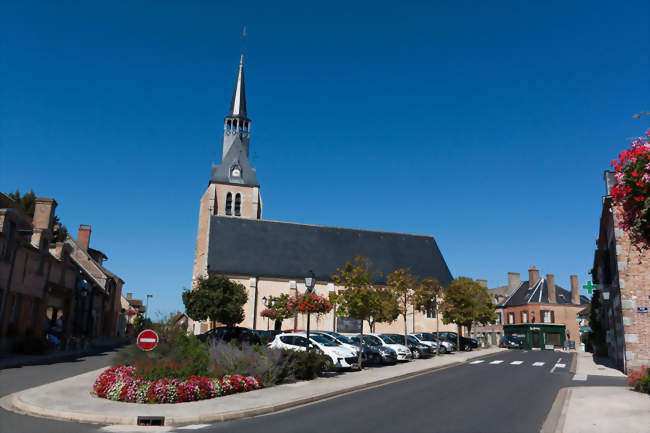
[235,171]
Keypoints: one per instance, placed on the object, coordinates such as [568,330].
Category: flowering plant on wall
[121,384]
[309,303]
[268,313]
[631,194]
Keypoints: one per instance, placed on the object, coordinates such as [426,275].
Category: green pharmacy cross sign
[589,287]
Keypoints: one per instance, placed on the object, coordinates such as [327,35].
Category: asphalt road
[486,396]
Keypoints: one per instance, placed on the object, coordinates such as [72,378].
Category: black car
[266,336]
[373,352]
[466,344]
[511,342]
[418,349]
[228,333]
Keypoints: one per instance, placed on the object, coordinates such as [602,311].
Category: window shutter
[552,316]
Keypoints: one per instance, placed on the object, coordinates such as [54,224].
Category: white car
[432,344]
[341,357]
[403,352]
[339,339]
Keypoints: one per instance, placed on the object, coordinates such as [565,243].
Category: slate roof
[538,293]
[236,156]
[259,248]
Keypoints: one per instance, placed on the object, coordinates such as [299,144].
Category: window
[554,338]
[546,316]
[431,313]
[499,318]
[524,317]
[511,318]
[229,204]
[238,205]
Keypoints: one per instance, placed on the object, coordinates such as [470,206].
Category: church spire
[238,104]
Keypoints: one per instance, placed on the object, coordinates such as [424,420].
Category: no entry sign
[147,339]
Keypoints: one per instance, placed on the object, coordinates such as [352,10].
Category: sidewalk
[70,399]
[56,356]
[606,409]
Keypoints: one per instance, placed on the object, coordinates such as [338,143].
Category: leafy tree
[428,296]
[466,302]
[27,202]
[386,309]
[216,298]
[359,298]
[403,285]
[278,305]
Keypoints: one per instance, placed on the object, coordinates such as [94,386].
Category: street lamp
[264,301]
[147,312]
[310,282]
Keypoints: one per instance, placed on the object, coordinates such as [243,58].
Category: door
[536,339]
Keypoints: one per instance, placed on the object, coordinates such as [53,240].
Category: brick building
[622,277]
[42,281]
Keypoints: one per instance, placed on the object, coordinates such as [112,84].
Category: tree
[386,309]
[403,284]
[359,298]
[216,298]
[466,302]
[277,305]
[427,298]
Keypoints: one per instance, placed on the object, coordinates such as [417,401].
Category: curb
[556,417]
[574,364]
[13,403]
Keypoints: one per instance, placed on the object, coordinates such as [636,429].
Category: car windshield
[371,340]
[386,339]
[426,337]
[513,339]
[392,339]
[342,338]
[320,339]
[412,339]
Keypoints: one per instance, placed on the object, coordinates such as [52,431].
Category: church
[273,257]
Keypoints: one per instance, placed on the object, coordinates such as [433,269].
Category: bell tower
[233,190]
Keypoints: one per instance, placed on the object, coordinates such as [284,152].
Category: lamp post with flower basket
[309,302]
[631,193]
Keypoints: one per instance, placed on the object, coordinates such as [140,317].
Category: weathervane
[243,40]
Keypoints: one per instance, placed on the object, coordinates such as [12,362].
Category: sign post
[147,340]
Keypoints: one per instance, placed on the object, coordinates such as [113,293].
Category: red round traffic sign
[147,339]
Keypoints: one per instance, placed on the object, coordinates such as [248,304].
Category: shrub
[308,365]
[639,379]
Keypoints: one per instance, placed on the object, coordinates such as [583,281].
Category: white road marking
[193,427]
[537,364]
[516,362]
[556,365]
[477,362]
[496,362]
[560,365]
[581,377]
[148,340]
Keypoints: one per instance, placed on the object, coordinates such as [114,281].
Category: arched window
[238,205]
[229,204]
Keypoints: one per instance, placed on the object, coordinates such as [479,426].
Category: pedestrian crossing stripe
[560,365]
[516,362]
[477,362]
[537,364]
[496,362]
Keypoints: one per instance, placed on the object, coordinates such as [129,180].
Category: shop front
[538,335]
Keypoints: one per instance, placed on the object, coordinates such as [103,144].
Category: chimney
[575,291]
[514,280]
[482,283]
[43,220]
[533,276]
[129,296]
[550,284]
[83,238]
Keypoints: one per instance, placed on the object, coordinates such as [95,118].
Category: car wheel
[416,354]
[467,347]
[443,349]
[329,365]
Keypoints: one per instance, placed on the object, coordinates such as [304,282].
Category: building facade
[46,285]
[622,276]
[271,258]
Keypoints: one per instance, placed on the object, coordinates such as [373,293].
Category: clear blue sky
[485,124]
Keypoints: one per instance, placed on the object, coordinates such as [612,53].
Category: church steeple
[238,104]
[237,124]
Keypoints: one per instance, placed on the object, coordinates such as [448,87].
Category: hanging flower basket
[309,303]
[268,313]
[631,194]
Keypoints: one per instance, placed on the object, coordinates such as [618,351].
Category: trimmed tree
[386,309]
[403,284]
[427,298]
[277,310]
[216,298]
[359,298]
[466,302]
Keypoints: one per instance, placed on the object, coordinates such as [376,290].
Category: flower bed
[121,384]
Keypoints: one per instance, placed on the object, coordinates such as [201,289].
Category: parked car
[375,352]
[403,352]
[340,356]
[511,342]
[419,350]
[466,344]
[228,333]
[338,339]
[433,343]
[266,336]
[445,345]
